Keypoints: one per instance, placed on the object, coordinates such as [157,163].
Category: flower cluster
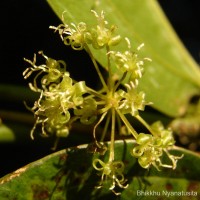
[131,101]
[81,35]
[87,111]
[128,61]
[63,100]
[58,95]
[150,148]
[111,171]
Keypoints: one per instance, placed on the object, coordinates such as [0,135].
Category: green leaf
[173,77]
[6,134]
[68,174]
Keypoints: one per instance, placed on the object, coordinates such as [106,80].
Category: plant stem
[95,93]
[145,124]
[112,139]
[96,67]
[94,130]
[105,127]
[120,81]
[128,125]
[110,85]
[119,123]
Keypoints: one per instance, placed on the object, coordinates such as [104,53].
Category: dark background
[25,30]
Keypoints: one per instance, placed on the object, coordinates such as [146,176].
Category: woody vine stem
[63,100]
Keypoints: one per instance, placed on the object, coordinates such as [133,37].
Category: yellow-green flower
[150,148]
[111,171]
[132,101]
